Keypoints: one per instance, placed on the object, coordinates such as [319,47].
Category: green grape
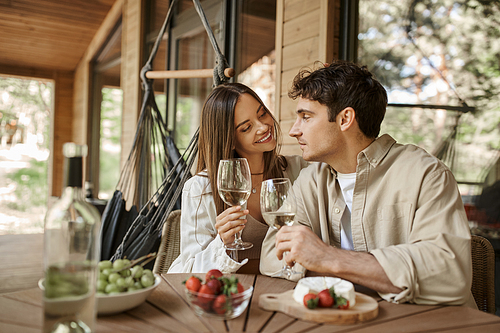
[105,264]
[130,289]
[137,271]
[120,283]
[148,273]
[101,285]
[125,273]
[107,271]
[147,281]
[119,264]
[111,288]
[113,277]
[129,282]
[103,277]
[137,285]
[126,262]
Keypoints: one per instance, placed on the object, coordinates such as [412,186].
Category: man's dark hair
[344,84]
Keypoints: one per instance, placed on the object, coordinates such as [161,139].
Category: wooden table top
[166,310]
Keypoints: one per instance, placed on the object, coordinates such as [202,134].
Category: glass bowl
[227,307]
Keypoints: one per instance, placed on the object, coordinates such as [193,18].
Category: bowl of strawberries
[219,296]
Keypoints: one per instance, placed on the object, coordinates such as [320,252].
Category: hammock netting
[152,178]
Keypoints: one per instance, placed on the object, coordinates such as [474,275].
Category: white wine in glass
[278,207]
[234,183]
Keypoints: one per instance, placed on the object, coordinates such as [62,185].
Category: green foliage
[109,160]
[31,186]
[438,52]
[26,104]
[184,116]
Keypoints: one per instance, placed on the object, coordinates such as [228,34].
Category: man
[377,213]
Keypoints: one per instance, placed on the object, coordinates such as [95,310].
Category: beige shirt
[406,211]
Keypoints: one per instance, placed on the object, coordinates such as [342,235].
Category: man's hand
[303,246]
[307,249]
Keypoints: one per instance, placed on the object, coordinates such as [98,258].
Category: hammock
[136,231]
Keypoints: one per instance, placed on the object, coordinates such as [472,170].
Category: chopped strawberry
[311,301]
[341,303]
[325,299]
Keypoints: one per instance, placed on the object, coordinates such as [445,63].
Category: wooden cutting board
[366,308]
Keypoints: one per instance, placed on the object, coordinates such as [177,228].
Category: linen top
[406,211]
[201,247]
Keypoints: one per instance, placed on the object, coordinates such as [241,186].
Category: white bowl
[67,306]
[111,304]
[106,304]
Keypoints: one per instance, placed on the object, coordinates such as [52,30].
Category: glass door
[190,48]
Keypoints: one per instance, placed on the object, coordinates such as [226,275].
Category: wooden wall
[83,78]
[131,65]
[306,32]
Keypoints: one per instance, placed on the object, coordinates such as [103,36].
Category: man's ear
[346,118]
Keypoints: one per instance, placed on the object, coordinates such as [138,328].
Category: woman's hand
[228,223]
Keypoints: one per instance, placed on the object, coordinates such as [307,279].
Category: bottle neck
[74,172]
[73,180]
[74,193]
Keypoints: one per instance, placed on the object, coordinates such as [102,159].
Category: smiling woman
[234,123]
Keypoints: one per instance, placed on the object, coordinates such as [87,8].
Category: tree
[441,52]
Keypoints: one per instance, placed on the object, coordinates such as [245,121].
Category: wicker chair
[483,273]
[170,243]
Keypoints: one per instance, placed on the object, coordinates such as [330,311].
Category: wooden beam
[187,74]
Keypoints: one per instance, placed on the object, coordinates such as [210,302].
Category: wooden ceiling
[48,34]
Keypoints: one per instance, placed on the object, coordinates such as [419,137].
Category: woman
[234,123]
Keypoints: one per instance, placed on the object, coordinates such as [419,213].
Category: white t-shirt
[346,182]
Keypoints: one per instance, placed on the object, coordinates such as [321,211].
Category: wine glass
[278,208]
[234,182]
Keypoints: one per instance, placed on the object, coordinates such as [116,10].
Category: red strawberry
[341,303]
[240,288]
[193,283]
[205,296]
[219,305]
[213,274]
[325,299]
[311,301]
[215,285]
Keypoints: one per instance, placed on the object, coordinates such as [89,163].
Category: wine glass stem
[286,268]
[237,237]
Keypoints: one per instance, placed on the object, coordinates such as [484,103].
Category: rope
[220,62]
[147,83]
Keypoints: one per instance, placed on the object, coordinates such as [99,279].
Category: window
[25,113]
[245,34]
[437,61]
[105,133]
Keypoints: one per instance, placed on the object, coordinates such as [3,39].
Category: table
[22,261]
[167,311]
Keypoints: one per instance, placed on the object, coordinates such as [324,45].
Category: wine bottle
[71,253]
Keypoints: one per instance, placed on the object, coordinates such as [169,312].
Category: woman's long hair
[217,136]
